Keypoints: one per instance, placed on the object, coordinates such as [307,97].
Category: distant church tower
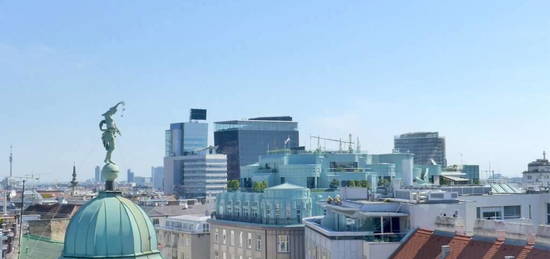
[74,182]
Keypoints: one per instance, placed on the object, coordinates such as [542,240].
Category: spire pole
[73,181]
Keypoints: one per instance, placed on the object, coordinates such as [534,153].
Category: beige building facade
[242,240]
[184,237]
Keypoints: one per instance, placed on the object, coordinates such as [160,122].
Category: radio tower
[11,161]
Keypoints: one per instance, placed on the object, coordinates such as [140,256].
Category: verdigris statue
[110,132]
[110,170]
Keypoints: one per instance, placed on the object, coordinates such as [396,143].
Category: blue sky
[476,71]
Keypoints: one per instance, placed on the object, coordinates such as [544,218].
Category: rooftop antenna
[318,144]
[358,146]
[491,172]
[544,154]
[340,144]
[350,147]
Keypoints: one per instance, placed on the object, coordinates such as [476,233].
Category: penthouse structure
[538,174]
[322,169]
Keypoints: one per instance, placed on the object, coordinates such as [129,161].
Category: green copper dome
[111,226]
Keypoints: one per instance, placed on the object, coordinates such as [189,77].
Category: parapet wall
[498,229]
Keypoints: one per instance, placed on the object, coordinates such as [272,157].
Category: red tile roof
[425,244]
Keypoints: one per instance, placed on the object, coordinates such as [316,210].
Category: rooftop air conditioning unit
[442,196]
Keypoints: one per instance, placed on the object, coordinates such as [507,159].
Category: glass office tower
[243,141]
[426,146]
[186,137]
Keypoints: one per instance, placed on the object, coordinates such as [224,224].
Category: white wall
[317,244]
[379,250]
[424,215]
[536,203]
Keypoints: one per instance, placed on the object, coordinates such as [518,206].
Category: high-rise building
[157,176]
[243,141]
[130,176]
[191,168]
[426,147]
[98,177]
[196,175]
[187,137]
[143,181]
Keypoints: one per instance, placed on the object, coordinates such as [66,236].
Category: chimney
[445,251]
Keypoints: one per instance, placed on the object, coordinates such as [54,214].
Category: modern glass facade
[157,177]
[244,141]
[472,173]
[426,146]
[185,137]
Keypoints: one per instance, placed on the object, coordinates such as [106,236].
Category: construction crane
[340,142]
[209,148]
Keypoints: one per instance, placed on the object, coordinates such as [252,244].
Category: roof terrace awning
[455,178]
[382,214]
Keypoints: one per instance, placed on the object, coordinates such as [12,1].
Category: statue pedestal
[109,172]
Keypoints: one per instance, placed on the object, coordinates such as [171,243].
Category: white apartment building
[184,237]
[365,229]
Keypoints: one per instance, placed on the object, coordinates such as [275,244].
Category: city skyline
[474,72]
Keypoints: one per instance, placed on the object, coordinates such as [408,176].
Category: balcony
[314,223]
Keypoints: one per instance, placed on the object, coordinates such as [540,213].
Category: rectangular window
[395,225]
[216,235]
[277,210]
[282,244]
[258,243]
[288,211]
[249,241]
[232,238]
[241,239]
[224,236]
[512,212]
[547,213]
